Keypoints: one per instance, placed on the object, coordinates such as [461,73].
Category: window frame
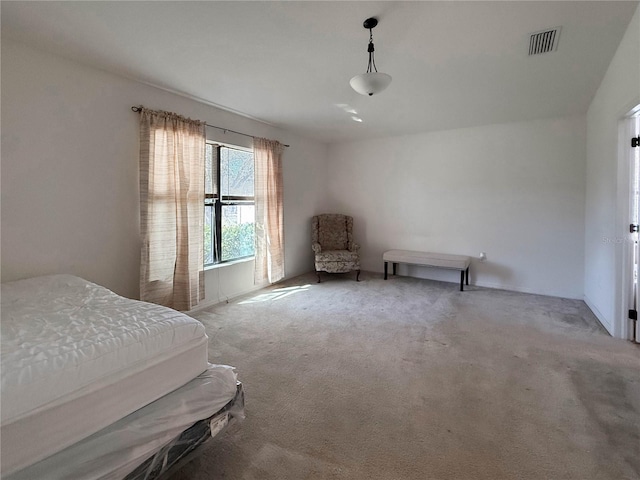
[218,201]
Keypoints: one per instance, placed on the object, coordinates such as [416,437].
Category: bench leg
[462,280]
[467,276]
[386,266]
[357,275]
[394,268]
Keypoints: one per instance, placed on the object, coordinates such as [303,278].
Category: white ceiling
[454,64]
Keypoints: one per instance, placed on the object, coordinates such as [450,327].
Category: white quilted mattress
[76,357]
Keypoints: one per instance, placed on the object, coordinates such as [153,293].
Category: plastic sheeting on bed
[115,451]
[182,449]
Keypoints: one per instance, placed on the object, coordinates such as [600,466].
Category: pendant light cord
[370,49]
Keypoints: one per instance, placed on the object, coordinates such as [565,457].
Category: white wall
[605,190]
[514,191]
[70,198]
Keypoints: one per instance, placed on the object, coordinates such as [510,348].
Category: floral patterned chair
[332,242]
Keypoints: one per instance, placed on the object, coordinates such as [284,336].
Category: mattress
[76,357]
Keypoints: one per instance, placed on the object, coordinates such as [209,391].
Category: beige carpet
[412,379]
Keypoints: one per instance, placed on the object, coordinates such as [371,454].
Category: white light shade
[370,83]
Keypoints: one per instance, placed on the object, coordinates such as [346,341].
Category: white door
[634,227]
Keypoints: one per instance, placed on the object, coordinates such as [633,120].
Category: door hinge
[634,227]
[633,314]
[635,142]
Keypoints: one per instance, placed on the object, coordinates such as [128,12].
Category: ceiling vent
[544,41]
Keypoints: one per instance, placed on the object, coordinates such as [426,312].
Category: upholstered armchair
[333,245]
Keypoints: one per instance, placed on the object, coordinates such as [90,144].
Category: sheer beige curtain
[172,150]
[267,155]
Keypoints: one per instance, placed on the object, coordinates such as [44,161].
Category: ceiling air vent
[544,41]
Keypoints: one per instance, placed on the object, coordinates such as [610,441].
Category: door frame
[622,325]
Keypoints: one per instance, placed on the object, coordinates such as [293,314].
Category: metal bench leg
[467,276]
[394,268]
[462,280]
[386,266]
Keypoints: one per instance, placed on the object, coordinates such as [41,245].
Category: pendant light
[373,81]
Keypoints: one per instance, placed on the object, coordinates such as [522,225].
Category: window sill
[227,264]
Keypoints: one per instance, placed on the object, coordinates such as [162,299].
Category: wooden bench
[427,259]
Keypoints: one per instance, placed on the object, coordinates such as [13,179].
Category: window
[229,208]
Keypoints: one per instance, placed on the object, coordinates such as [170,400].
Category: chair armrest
[316,247]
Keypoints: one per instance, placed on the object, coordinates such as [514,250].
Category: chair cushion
[332,232]
[337,256]
[337,261]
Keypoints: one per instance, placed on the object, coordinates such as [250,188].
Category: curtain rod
[139,108]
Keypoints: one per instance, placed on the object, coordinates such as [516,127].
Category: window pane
[236,172]
[238,231]
[208,169]
[209,231]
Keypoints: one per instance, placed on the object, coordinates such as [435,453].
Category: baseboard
[211,303]
[255,288]
[516,288]
[509,288]
[496,286]
[598,314]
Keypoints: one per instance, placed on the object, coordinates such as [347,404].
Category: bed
[95,385]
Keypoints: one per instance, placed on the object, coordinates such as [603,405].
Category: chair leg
[318,274]
[357,275]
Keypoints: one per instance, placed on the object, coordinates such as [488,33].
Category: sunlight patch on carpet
[277,294]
